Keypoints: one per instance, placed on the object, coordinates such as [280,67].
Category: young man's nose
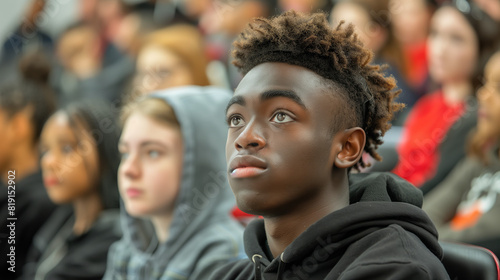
[250,138]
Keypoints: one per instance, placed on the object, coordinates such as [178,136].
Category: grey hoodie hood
[202,235]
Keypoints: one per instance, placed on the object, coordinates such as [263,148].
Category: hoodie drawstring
[257,267]
[281,267]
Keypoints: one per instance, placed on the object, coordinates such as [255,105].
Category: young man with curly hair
[308,107]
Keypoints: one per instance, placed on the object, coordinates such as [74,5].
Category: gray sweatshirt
[202,235]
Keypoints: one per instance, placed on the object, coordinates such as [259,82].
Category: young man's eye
[236,121]
[281,117]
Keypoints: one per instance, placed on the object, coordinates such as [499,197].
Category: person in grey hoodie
[175,196]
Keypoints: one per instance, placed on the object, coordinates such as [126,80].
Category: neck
[457,92]
[87,210]
[24,163]
[282,230]
[162,226]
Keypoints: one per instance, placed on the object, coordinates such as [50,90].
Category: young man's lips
[246,166]
[245,172]
[133,192]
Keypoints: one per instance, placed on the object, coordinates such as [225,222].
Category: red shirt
[417,69]
[425,129]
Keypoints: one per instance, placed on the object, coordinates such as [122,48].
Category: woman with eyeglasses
[170,57]
[461,39]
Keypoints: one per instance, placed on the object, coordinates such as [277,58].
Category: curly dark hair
[337,55]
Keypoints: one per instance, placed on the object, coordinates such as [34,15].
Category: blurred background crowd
[442,54]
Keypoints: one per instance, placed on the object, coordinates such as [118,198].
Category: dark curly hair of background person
[335,54]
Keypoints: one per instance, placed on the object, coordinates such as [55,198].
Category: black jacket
[32,208]
[383,234]
[58,254]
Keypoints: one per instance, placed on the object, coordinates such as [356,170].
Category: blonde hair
[186,42]
[155,108]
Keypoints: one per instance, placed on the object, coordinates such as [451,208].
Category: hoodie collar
[377,200]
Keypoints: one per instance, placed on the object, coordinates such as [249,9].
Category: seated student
[170,57]
[90,67]
[25,105]
[307,108]
[465,207]
[460,42]
[173,185]
[79,164]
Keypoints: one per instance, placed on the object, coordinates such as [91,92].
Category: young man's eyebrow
[282,93]
[235,100]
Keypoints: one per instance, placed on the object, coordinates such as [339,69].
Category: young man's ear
[350,145]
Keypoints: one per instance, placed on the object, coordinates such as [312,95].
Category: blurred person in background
[223,21]
[459,43]
[27,37]
[195,9]
[103,15]
[491,7]
[465,207]
[25,105]
[89,67]
[411,23]
[373,25]
[79,165]
[172,179]
[305,6]
[170,57]
[138,23]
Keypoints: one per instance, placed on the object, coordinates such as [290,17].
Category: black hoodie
[382,234]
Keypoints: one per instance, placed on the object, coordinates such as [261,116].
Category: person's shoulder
[106,227]
[239,270]
[222,239]
[396,252]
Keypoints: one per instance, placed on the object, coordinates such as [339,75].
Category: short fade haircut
[307,40]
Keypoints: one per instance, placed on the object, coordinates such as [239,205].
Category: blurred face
[452,47]
[305,6]
[230,17]
[279,139]
[410,20]
[489,99]
[195,8]
[492,7]
[7,140]
[150,171]
[369,32]
[69,166]
[158,68]
[78,51]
